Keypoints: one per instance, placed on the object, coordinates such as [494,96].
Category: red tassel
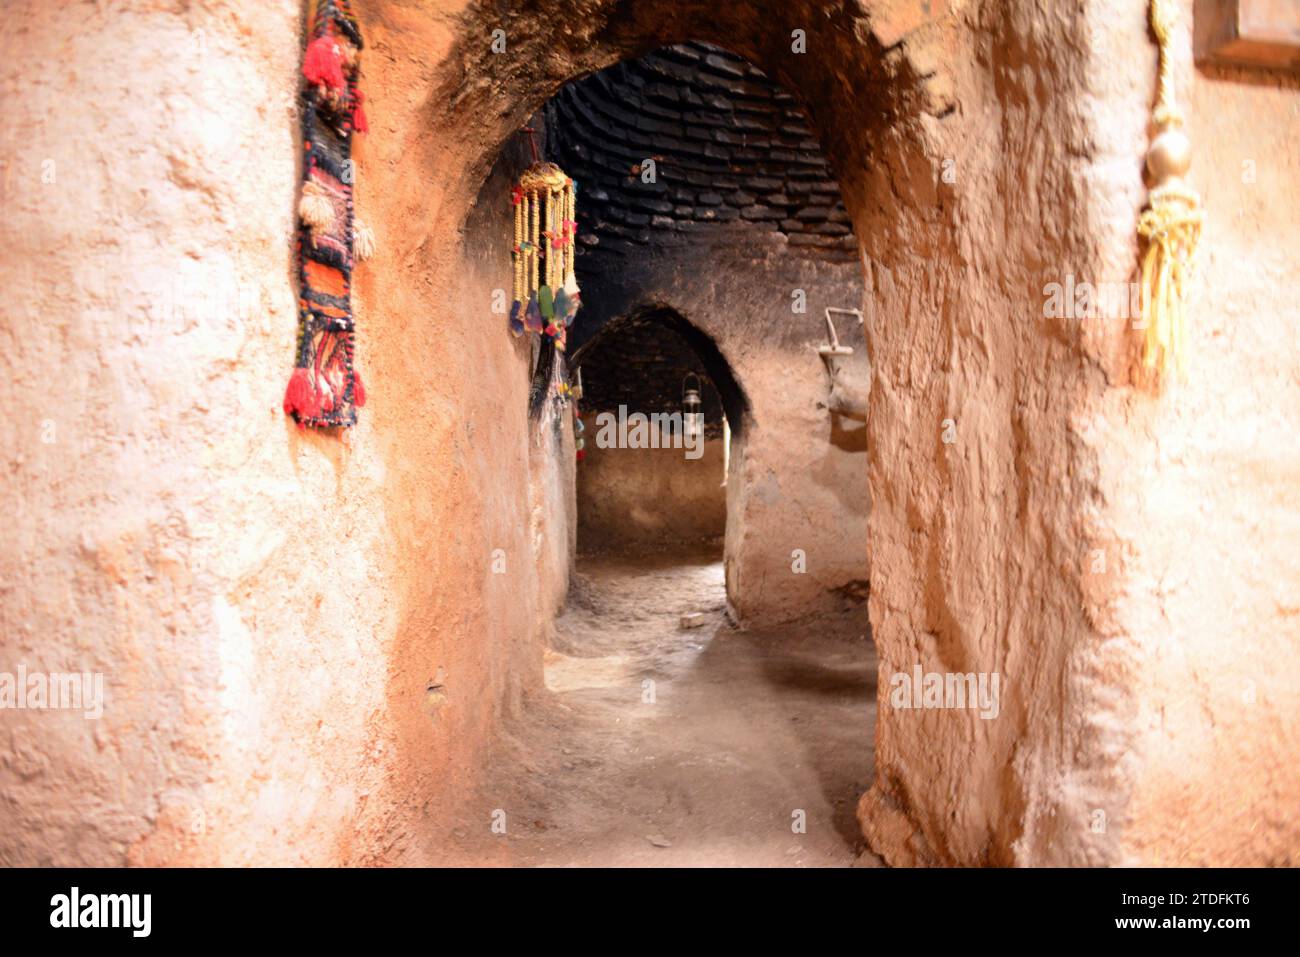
[358,390]
[300,398]
[359,121]
[323,64]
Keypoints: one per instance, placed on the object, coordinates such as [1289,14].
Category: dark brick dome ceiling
[731,148]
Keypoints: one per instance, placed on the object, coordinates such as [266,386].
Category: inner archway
[658,403]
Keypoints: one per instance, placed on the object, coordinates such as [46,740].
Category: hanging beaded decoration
[546,296]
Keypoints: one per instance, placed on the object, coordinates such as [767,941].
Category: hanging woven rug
[325,389]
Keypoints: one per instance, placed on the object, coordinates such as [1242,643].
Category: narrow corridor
[659,744]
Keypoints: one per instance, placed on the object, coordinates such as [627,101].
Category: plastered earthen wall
[1196,519]
[649,498]
[270,607]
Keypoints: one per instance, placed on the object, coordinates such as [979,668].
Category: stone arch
[779,248]
[638,364]
[488,95]
[950,265]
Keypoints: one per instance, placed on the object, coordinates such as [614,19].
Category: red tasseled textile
[359,121]
[358,390]
[300,398]
[323,64]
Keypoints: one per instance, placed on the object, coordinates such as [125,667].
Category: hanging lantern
[692,417]
[546,296]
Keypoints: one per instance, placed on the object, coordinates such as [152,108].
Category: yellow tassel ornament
[1171,223]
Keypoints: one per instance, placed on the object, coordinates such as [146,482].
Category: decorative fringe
[358,390]
[322,64]
[1171,227]
[315,208]
[360,123]
[300,399]
[572,298]
[532,315]
[363,241]
[1171,223]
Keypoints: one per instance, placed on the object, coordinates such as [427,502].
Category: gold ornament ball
[1170,155]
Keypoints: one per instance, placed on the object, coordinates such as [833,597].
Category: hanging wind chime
[546,296]
[1171,223]
[325,389]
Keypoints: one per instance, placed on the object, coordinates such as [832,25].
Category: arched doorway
[712,237]
[654,470]
[947,263]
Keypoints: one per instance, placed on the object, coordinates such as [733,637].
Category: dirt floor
[658,745]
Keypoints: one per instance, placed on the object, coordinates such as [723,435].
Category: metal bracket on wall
[848,394]
[833,348]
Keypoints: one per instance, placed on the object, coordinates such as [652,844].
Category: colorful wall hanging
[579,441]
[1171,223]
[546,296]
[325,389]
